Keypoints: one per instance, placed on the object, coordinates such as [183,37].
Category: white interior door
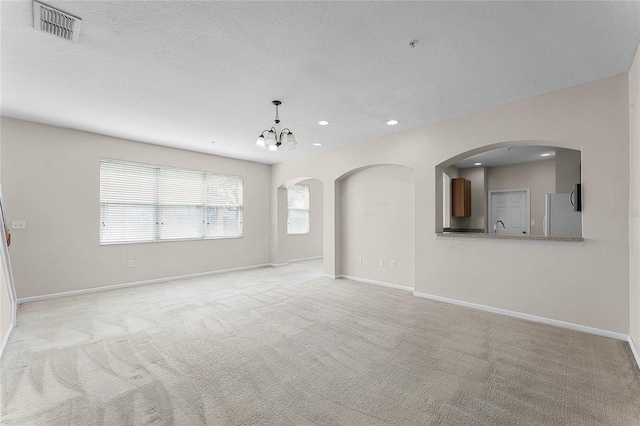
[6,265]
[511,208]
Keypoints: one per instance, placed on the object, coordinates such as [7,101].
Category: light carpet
[288,346]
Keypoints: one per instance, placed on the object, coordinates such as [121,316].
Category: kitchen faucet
[495,226]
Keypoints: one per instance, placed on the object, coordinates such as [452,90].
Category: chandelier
[276,136]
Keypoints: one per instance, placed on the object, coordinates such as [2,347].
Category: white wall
[377,222]
[587,285]
[309,245]
[446,203]
[539,176]
[5,309]
[634,201]
[50,178]
[447,174]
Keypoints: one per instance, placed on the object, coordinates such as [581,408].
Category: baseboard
[381,283]
[634,351]
[302,259]
[333,277]
[276,265]
[5,341]
[134,284]
[528,317]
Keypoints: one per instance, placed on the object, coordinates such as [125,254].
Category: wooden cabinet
[460,197]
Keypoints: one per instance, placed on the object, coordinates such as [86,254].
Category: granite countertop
[508,237]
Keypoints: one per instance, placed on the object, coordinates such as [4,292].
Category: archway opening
[526,188]
[300,216]
[375,225]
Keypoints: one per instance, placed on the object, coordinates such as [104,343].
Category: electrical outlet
[381,262]
[130,263]
[533,222]
[359,259]
[393,263]
[18,224]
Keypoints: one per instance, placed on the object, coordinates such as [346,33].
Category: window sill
[171,240]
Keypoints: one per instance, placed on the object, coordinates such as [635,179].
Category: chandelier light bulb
[260,143]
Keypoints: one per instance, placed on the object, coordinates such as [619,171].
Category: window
[298,210]
[146,203]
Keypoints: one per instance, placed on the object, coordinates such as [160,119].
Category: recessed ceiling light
[323,122]
[317,144]
[392,122]
[213,141]
[545,155]
[477,164]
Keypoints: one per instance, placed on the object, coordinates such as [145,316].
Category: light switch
[18,224]
[533,222]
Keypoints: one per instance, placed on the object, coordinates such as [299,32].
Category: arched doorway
[375,225]
[300,220]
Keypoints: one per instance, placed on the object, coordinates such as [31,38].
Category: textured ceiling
[184,74]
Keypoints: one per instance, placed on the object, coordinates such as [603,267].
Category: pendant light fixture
[276,136]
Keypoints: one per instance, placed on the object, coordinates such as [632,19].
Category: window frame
[307,210]
[161,207]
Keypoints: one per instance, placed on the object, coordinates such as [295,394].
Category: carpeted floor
[287,346]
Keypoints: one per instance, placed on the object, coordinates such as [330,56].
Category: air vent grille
[53,21]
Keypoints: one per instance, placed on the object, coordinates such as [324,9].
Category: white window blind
[298,209]
[144,203]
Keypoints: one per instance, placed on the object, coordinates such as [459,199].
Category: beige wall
[567,170]
[634,201]
[478,218]
[309,245]
[377,222]
[587,285]
[539,176]
[50,178]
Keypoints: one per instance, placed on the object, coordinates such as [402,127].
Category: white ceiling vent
[56,22]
